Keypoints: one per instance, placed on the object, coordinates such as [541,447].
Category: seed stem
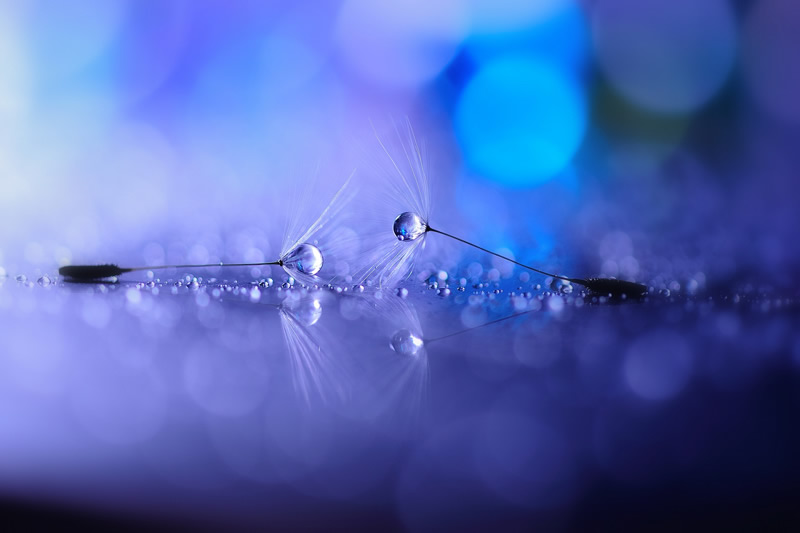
[572,280]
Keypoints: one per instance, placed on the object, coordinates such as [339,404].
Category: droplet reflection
[406,343]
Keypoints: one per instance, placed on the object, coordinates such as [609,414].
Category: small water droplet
[44,281]
[444,293]
[255,294]
[406,343]
[402,292]
[22,278]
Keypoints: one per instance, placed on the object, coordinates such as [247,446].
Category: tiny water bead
[304,258]
[409,226]
[406,343]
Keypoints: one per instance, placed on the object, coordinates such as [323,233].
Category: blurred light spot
[505,15]
[149,48]
[615,245]
[67,37]
[552,29]
[666,56]
[556,304]
[658,365]
[14,71]
[293,52]
[505,268]
[473,316]
[400,43]
[771,39]
[520,121]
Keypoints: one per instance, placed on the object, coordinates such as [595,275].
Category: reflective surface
[220,396]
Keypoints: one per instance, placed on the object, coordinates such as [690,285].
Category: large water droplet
[409,226]
[305,258]
[406,343]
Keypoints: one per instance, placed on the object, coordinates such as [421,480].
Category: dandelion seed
[411,227]
[298,257]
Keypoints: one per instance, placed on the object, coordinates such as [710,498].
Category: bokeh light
[400,43]
[520,120]
[670,57]
[772,71]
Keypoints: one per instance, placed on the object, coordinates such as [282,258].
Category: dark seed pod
[614,287]
[91,272]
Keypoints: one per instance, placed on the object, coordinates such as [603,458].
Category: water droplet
[255,294]
[304,258]
[406,343]
[44,281]
[409,226]
[402,292]
[22,278]
[444,293]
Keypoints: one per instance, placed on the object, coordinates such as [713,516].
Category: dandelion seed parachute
[411,226]
[400,170]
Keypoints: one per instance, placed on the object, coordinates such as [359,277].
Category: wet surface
[448,399]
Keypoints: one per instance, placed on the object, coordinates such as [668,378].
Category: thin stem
[573,280]
[208,265]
